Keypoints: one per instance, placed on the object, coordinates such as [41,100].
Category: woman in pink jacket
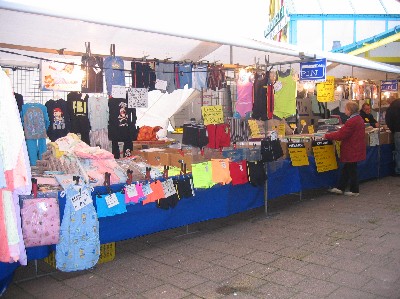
[352,150]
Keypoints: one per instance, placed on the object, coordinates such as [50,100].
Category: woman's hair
[352,107]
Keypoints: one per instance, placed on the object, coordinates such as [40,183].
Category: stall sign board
[390,85]
[298,154]
[138,97]
[64,75]
[313,70]
[212,114]
[326,90]
[324,154]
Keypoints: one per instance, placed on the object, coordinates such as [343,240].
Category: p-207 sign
[391,85]
[313,70]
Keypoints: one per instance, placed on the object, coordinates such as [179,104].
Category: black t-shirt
[121,121]
[93,79]
[60,123]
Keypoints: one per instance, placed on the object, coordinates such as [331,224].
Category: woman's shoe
[335,190]
[351,194]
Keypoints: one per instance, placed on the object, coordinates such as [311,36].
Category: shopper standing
[352,150]
[393,122]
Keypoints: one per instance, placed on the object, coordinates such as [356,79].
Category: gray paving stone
[262,257]
[285,278]
[217,273]
[273,290]
[231,262]
[256,269]
[207,290]
[185,280]
[348,293]
[348,279]
[316,287]
[288,264]
[317,271]
[165,291]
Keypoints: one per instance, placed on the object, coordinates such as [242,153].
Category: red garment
[218,135]
[352,137]
[238,172]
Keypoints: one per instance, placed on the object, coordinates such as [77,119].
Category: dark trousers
[349,177]
[128,147]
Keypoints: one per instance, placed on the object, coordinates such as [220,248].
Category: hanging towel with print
[79,244]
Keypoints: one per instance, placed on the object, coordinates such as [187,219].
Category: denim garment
[113,72]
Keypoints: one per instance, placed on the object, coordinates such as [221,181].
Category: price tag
[81,200]
[161,84]
[111,200]
[212,114]
[146,189]
[281,130]
[298,154]
[168,188]
[278,86]
[311,129]
[118,92]
[131,191]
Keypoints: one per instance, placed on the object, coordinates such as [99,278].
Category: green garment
[285,98]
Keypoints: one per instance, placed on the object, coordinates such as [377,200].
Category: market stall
[106,118]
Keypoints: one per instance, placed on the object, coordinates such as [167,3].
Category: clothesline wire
[221,67]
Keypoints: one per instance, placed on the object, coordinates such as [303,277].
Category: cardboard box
[175,159]
[158,158]
[385,138]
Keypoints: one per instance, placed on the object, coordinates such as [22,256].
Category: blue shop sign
[313,70]
[391,85]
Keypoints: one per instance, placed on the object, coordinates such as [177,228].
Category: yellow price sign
[324,154]
[311,129]
[326,90]
[281,130]
[212,114]
[303,122]
[298,154]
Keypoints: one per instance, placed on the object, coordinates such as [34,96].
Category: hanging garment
[256,173]
[270,101]
[260,96]
[199,76]
[184,187]
[40,221]
[143,76]
[244,104]
[240,130]
[184,75]
[79,244]
[113,72]
[20,100]
[100,138]
[271,150]
[219,136]
[156,194]
[220,171]
[110,204]
[216,77]
[285,95]
[166,72]
[121,121]
[195,134]
[60,121]
[238,172]
[35,122]
[98,112]
[92,82]
[202,175]
[78,111]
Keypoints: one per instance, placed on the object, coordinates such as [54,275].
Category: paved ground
[324,246]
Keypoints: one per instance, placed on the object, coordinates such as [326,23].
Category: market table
[217,202]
